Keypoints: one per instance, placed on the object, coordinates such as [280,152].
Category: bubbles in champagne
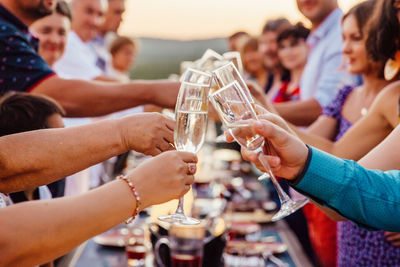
[190,130]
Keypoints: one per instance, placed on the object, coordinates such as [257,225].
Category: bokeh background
[171,31]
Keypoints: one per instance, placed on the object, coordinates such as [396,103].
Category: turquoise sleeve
[371,198]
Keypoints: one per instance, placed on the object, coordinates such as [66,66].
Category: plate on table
[261,247]
[257,216]
[113,237]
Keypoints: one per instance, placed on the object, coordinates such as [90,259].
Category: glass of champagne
[190,130]
[237,114]
[196,76]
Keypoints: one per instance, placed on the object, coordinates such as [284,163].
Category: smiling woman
[52,31]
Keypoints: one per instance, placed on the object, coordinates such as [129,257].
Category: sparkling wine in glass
[190,130]
[237,114]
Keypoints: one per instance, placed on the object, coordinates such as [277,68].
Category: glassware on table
[236,113]
[186,245]
[190,129]
[135,247]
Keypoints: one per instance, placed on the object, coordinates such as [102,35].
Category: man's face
[88,15]
[269,48]
[113,16]
[36,9]
[316,10]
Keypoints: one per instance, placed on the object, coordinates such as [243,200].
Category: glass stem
[179,210]
[282,194]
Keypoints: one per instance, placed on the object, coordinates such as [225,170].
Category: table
[93,254]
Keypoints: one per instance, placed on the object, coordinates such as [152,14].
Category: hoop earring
[392,67]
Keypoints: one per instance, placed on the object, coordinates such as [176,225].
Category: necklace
[364,111]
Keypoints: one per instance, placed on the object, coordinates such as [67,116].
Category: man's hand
[288,154]
[148,133]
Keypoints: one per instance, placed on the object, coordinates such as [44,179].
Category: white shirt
[321,78]
[78,60]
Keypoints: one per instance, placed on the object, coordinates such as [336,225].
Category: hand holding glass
[236,112]
[190,130]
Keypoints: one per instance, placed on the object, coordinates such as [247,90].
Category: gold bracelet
[135,194]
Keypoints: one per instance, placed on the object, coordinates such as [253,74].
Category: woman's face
[52,32]
[124,57]
[354,49]
[252,61]
[293,53]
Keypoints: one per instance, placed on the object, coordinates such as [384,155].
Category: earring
[392,67]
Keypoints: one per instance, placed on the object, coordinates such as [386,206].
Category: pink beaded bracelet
[135,194]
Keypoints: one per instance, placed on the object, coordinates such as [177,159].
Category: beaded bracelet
[135,194]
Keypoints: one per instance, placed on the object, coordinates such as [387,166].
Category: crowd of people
[330,90]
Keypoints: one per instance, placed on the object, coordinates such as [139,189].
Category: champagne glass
[196,76]
[225,75]
[235,58]
[236,113]
[190,130]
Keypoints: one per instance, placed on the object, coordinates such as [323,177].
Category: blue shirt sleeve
[20,65]
[371,198]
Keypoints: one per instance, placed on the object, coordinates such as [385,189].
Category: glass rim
[224,66]
[197,71]
[196,84]
[226,87]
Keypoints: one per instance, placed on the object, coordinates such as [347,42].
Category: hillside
[158,58]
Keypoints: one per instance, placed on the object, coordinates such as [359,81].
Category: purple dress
[357,246]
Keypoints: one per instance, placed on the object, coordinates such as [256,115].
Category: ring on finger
[191,168]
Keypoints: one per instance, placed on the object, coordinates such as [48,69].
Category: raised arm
[56,226]
[370,198]
[94,98]
[40,157]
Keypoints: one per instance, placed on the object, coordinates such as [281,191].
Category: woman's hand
[164,177]
[148,133]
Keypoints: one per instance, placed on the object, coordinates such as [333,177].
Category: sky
[203,19]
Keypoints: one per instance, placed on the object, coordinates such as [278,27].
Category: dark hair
[276,25]
[384,31]
[237,34]
[119,42]
[63,9]
[22,112]
[362,13]
[297,31]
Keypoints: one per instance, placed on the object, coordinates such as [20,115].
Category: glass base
[179,219]
[288,208]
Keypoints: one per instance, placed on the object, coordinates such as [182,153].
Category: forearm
[93,98]
[36,232]
[368,197]
[300,113]
[314,140]
[62,152]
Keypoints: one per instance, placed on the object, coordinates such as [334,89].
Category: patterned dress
[357,246]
